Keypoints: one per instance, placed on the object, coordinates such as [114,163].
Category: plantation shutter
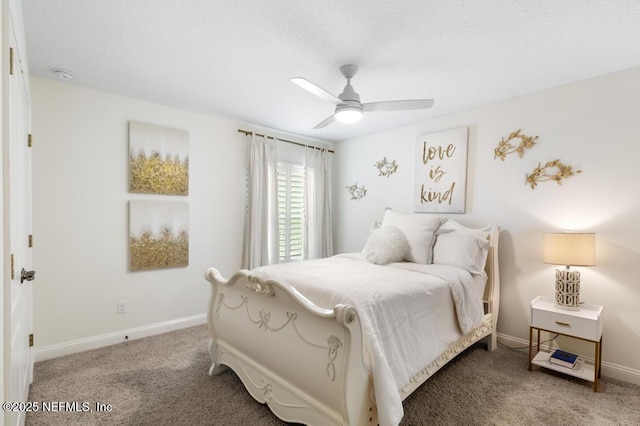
[291,207]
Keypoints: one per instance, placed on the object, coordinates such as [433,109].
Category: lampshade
[348,114]
[571,249]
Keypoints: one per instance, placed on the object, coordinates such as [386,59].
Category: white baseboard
[614,371]
[95,342]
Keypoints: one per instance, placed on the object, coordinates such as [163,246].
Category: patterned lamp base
[568,289]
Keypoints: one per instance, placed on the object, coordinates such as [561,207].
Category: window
[291,207]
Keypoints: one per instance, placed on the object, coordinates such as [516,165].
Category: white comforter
[404,308]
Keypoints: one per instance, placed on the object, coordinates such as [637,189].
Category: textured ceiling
[234,58]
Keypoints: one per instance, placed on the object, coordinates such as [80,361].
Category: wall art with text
[440,183]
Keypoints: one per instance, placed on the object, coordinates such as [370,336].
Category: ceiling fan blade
[398,105]
[316,90]
[326,122]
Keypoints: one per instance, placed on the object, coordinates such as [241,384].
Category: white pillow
[386,245]
[450,225]
[419,229]
[463,249]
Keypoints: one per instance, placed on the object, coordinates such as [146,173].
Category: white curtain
[261,218]
[319,241]
[261,233]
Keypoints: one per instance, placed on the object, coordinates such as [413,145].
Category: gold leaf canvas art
[158,159]
[158,234]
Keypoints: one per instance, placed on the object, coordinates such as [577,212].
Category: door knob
[27,275]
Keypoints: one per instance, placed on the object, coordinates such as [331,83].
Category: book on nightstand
[563,358]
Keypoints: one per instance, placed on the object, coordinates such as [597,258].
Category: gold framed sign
[440,183]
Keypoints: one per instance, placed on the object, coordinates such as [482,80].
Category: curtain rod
[248,132]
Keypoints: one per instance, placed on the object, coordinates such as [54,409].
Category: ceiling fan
[349,109]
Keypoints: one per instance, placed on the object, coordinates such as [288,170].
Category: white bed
[343,340]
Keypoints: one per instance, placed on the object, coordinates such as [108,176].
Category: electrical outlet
[122,306]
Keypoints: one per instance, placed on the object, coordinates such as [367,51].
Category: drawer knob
[564,324]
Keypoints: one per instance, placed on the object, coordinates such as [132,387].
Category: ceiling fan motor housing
[350,110]
[348,94]
[349,105]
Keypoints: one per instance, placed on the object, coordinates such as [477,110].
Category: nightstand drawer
[585,323]
[565,324]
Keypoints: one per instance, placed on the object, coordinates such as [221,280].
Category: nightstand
[584,324]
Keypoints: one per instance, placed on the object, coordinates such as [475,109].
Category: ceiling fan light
[348,114]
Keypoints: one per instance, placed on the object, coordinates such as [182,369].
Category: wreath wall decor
[545,173]
[505,146]
[356,192]
[386,168]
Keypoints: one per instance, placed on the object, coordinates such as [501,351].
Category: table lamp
[570,249]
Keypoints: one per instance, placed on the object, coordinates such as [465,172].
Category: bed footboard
[303,361]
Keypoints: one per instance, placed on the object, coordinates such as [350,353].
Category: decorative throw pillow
[375,225]
[463,249]
[386,245]
[419,229]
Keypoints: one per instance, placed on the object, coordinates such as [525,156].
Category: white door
[18,349]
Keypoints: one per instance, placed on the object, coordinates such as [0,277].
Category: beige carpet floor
[162,380]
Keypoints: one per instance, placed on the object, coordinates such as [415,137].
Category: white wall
[591,125]
[80,192]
